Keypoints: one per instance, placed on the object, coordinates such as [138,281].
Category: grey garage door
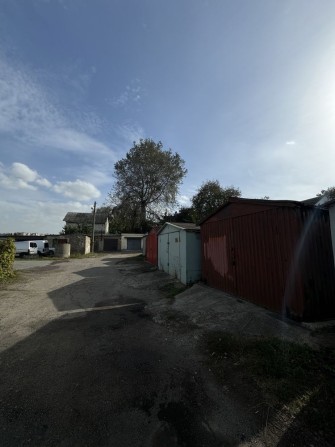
[133,243]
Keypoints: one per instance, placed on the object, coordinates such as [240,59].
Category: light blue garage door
[133,243]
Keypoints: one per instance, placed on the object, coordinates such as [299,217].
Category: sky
[243,90]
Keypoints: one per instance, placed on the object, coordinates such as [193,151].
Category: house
[179,251]
[84,221]
[274,253]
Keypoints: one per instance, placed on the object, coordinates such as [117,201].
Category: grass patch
[324,330]
[284,373]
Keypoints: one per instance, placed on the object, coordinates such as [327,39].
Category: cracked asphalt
[84,362]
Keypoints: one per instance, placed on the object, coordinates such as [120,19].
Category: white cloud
[8,182]
[78,190]
[21,171]
[43,182]
[20,176]
[184,201]
[290,143]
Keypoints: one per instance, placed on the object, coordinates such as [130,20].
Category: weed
[324,330]
[284,373]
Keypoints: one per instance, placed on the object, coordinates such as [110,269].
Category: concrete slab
[215,310]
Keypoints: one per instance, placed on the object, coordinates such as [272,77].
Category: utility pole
[93,229]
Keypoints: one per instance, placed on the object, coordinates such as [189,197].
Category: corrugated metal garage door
[133,243]
[163,252]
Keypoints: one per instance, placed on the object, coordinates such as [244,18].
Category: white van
[26,248]
[42,247]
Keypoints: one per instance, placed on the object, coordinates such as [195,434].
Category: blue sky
[244,91]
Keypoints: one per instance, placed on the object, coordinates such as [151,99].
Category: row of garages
[277,254]
[122,242]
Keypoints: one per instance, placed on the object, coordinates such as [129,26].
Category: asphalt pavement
[94,353]
[26,263]
[83,363]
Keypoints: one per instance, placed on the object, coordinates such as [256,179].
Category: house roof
[182,226]
[85,218]
[286,203]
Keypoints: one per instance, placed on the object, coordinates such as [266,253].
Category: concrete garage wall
[126,236]
[79,243]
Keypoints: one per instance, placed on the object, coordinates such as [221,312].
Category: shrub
[7,256]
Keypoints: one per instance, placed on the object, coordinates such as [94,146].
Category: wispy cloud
[132,94]
[291,143]
[72,141]
[28,113]
[130,132]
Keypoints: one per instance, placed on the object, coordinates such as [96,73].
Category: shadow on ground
[102,378]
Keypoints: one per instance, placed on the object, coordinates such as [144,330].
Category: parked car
[26,248]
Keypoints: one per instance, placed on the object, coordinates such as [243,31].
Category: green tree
[147,180]
[184,214]
[125,219]
[210,196]
[329,192]
[80,229]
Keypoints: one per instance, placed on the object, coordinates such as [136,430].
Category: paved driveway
[26,263]
[88,359]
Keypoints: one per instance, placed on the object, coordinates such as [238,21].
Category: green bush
[7,256]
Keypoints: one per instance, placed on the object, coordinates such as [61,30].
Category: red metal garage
[277,254]
[151,248]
